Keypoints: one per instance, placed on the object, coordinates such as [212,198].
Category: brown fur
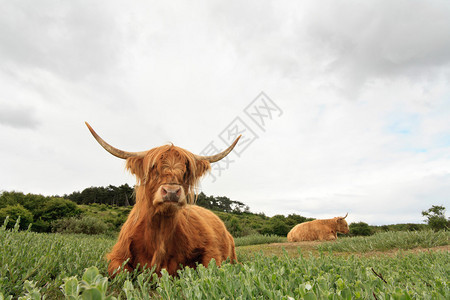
[167,234]
[326,229]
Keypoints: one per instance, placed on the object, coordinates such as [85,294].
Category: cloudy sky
[344,106]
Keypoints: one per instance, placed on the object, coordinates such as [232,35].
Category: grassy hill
[239,224]
[82,213]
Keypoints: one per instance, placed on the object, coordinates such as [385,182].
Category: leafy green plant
[92,286]
[31,292]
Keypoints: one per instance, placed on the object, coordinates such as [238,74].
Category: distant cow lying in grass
[164,230]
[326,229]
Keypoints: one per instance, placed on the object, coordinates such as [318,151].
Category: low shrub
[85,224]
[360,228]
[14,213]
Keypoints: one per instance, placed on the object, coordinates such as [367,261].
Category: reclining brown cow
[321,230]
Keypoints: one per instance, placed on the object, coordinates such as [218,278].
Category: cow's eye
[186,173]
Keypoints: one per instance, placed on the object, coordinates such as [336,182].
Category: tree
[110,195]
[233,226]
[10,198]
[221,203]
[436,217]
[276,225]
[57,208]
[280,228]
[294,219]
[15,212]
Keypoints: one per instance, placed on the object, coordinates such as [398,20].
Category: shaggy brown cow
[164,229]
[318,230]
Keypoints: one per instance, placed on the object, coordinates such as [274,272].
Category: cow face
[169,174]
[342,225]
[166,175]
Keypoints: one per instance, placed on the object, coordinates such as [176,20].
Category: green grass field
[56,266]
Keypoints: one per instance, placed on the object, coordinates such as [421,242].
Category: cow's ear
[202,166]
[136,167]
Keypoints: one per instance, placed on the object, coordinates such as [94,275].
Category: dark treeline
[111,195]
[221,203]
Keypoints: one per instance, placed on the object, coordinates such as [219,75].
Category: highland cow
[326,229]
[165,229]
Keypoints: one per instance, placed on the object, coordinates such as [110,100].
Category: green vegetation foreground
[57,265]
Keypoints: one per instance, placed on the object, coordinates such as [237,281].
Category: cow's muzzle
[171,193]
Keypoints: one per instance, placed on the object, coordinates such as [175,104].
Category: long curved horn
[219,156]
[114,151]
[345,216]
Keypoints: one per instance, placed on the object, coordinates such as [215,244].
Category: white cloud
[18,117]
[363,88]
